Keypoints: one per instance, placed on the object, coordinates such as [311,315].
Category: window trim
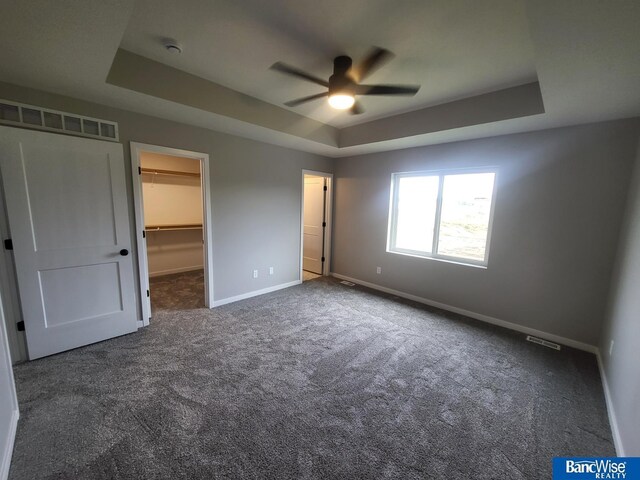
[441,174]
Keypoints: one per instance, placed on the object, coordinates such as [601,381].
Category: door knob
[124,252]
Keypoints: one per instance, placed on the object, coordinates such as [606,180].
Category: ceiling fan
[344,85]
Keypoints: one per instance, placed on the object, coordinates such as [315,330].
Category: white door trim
[9,291]
[5,456]
[328,218]
[207,226]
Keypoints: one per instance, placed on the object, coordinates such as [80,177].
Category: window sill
[482,266]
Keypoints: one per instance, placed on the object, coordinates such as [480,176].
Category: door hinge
[324,224]
[144,234]
[148,293]
[20,326]
[322,259]
[8,244]
[324,188]
[139,171]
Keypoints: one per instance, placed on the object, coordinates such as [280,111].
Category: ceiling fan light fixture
[344,84]
[341,101]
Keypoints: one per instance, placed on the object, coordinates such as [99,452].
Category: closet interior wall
[172,197]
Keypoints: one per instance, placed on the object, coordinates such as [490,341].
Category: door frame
[11,427]
[207,224]
[9,291]
[328,218]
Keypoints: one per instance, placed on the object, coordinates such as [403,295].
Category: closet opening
[173,228]
[315,224]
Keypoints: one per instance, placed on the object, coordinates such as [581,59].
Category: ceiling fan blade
[283,68]
[374,60]
[299,101]
[387,89]
[356,109]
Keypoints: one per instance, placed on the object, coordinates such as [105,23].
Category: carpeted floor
[320,381]
[179,291]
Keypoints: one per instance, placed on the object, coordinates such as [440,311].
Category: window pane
[464,221]
[416,210]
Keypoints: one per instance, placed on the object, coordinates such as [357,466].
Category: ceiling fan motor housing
[341,81]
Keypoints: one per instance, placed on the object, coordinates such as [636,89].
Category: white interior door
[313,217]
[69,221]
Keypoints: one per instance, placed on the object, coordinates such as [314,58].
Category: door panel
[66,203]
[313,233]
[88,302]
[85,174]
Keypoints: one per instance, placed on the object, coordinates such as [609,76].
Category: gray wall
[256,190]
[622,326]
[560,200]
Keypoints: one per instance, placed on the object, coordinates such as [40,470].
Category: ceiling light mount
[172,46]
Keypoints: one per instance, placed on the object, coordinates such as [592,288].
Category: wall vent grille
[545,343]
[348,284]
[29,116]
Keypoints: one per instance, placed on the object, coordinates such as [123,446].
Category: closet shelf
[176,173]
[185,226]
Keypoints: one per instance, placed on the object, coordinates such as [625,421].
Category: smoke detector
[172,46]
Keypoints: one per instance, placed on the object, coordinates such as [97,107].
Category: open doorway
[173,223]
[315,224]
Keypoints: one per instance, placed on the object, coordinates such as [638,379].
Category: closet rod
[186,226]
[169,172]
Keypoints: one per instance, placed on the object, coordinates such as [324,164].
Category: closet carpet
[319,381]
[178,291]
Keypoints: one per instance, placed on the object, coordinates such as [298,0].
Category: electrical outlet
[270,270]
[610,347]
[255,274]
[378,270]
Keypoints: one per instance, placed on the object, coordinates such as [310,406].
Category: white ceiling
[584,53]
[453,48]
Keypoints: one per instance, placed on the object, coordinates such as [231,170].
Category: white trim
[615,431]
[9,292]
[8,453]
[478,316]
[207,223]
[161,273]
[255,293]
[442,258]
[328,218]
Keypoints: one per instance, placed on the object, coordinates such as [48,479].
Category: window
[444,215]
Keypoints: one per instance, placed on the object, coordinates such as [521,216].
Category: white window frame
[441,174]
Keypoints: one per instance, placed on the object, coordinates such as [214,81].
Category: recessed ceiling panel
[452,48]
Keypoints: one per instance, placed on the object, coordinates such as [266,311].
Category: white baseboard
[478,316]
[615,431]
[160,273]
[255,293]
[7,454]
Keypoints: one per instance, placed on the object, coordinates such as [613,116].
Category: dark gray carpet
[179,291]
[315,381]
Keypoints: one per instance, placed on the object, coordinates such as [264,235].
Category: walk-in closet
[173,218]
